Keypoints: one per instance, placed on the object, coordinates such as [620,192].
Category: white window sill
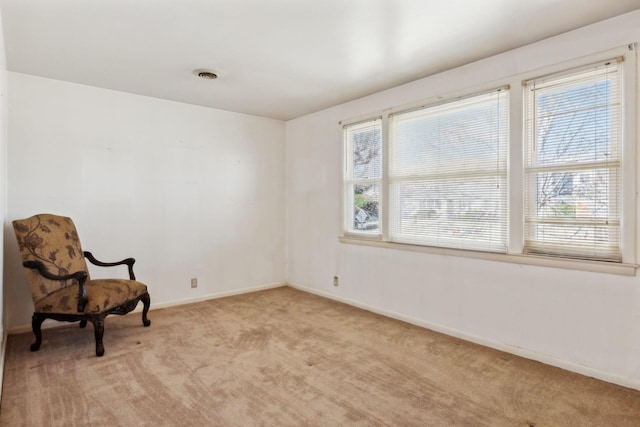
[570,264]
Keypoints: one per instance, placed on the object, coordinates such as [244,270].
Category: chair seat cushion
[103,295]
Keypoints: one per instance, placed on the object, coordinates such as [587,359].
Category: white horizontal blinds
[448,173]
[363,174]
[573,125]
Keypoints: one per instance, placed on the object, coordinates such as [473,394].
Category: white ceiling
[275,58]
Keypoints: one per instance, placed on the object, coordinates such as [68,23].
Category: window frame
[533,169]
[349,182]
[516,172]
[454,172]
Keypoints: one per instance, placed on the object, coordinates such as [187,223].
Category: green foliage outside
[359,200]
[564,209]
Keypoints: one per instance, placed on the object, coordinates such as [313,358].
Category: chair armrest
[42,269]
[79,276]
[128,262]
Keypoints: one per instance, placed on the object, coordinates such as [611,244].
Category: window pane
[574,123]
[579,194]
[366,200]
[367,152]
[451,213]
[445,139]
[448,168]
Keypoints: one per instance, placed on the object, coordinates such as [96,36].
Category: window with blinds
[448,173]
[573,127]
[363,174]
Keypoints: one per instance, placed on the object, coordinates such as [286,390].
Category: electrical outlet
[335,281]
[194,282]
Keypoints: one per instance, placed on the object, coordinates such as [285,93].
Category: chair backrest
[52,240]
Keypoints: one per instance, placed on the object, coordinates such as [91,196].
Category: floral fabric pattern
[53,240]
[103,294]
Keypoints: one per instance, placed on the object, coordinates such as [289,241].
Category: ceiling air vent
[205,74]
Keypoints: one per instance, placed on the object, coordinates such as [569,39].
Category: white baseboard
[212,296]
[53,324]
[518,351]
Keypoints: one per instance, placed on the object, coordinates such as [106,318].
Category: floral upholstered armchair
[60,284]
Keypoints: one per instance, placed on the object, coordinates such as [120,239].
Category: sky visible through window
[574,126]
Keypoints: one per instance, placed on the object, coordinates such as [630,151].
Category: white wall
[188,191]
[587,322]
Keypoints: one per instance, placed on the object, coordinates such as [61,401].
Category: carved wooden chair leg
[98,329]
[146,301]
[83,323]
[36,323]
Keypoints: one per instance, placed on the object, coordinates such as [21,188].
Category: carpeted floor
[283,357]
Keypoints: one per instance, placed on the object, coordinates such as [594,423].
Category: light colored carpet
[283,357]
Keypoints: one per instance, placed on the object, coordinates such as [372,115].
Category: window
[573,128]
[448,173]
[363,173]
[552,175]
